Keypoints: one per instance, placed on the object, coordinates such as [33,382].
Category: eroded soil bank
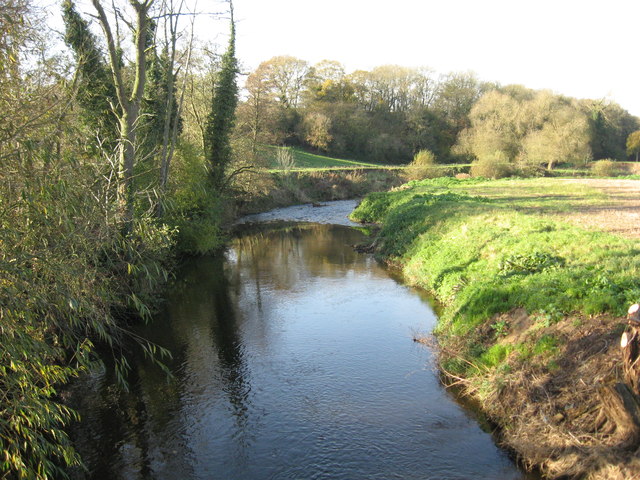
[538,371]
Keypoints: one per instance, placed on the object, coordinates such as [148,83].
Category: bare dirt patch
[619,213]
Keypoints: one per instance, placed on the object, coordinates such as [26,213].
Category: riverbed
[292,359]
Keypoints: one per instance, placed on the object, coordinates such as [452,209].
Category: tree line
[388,114]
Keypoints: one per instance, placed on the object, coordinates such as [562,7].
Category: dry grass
[548,414]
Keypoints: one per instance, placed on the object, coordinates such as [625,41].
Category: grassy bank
[532,306]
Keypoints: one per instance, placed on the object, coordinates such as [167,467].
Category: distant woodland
[388,114]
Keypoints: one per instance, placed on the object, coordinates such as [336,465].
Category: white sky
[580,48]
[585,49]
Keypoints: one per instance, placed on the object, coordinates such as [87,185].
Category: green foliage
[194,209]
[221,117]
[533,262]
[96,92]
[501,328]
[495,355]
[67,278]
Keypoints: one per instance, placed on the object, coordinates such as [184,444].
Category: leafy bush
[194,209]
[66,276]
[495,166]
[423,166]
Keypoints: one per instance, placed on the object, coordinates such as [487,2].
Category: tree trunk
[125,170]
[621,410]
[630,344]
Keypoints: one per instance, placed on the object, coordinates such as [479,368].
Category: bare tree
[170,131]
[127,108]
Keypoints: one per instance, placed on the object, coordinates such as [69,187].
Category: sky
[579,48]
[584,49]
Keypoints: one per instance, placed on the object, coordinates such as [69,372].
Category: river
[292,359]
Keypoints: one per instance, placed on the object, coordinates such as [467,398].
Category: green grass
[307,160]
[488,247]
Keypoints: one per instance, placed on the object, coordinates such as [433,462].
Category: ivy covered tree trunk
[221,118]
[95,90]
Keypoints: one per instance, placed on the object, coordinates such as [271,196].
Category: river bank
[533,309]
[270,190]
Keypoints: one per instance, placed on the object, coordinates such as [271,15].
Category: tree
[610,127]
[286,76]
[95,90]
[165,106]
[519,125]
[494,127]
[563,138]
[317,127]
[221,118]
[256,114]
[129,98]
[326,83]
[455,96]
[633,144]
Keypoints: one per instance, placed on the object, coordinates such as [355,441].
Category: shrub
[285,159]
[423,166]
[605,168]
[492,166]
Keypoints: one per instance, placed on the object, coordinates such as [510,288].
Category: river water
[292,359]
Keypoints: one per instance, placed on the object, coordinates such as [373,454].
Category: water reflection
[292,360]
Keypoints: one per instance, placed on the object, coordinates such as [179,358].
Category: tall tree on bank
[221,117]
[129,99]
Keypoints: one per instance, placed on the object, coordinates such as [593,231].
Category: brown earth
[550,414]
[620,214]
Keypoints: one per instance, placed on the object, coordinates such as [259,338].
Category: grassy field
[526,293]
[486,247]
[307,160]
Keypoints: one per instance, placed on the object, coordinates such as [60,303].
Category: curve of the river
[293,359]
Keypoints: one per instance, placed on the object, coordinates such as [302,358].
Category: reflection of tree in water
[119,433]
[288,254]
[210,329]
[203,326]
[226,335]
